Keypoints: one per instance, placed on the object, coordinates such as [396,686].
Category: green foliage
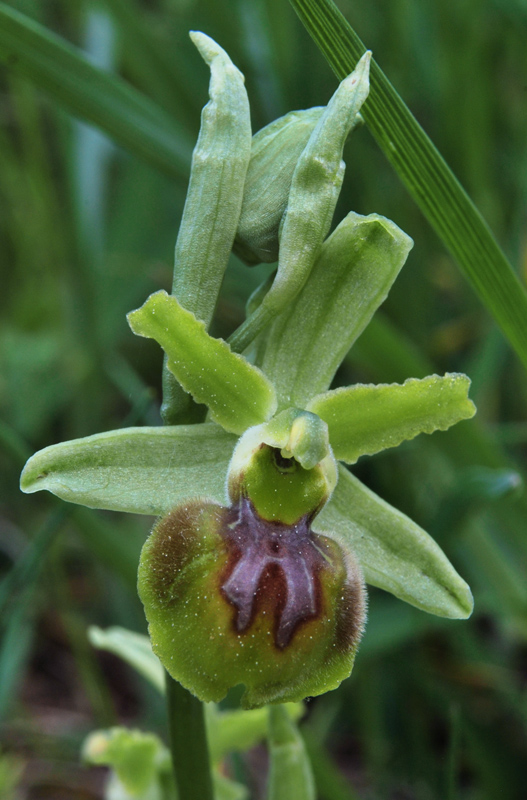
[69,367]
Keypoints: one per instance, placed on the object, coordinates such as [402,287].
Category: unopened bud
[274,153]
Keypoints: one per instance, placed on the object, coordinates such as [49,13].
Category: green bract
[254,572]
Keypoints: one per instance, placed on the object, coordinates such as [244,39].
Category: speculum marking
[263,549]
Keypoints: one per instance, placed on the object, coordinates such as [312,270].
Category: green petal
[237,394]
[365,419]
[394,553]
[351,278]
[141,470]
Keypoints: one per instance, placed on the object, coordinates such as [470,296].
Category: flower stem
[188,743]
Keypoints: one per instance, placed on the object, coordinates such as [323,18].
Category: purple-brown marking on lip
[276,557]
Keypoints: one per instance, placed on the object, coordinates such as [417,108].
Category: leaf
[237,394]
[131,119]
[290,774]
[141,470]
[395,554]
[426,175]
[365,419]
[134,648]
[352,276]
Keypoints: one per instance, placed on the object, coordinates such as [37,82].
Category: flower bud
[274,153]
[249,594]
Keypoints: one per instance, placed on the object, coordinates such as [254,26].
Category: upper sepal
[352,276]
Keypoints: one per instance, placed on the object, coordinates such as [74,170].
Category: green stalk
[188,743]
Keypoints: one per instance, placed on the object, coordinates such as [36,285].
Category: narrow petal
[364,419]
[395,554]
[351,278]
[237,394]
[141,470]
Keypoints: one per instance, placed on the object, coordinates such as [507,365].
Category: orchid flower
[254,573]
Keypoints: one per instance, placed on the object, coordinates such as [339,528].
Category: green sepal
[274,152]
[237,393]
[365,419]
[395,554]
[352,276]
[290,773]
[315,188]
[140,470]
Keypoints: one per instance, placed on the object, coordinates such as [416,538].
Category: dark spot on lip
[271,562]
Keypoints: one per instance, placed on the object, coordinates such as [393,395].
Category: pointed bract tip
[207,47]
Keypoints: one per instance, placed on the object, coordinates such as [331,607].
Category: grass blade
[96,96]
[425,174]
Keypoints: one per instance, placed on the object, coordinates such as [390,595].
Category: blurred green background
[435,709]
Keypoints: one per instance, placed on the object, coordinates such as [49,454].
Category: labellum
[249,593]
